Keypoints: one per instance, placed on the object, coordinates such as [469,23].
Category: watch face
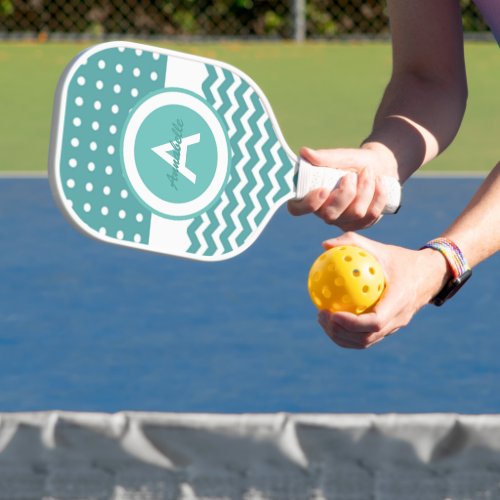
[451,288]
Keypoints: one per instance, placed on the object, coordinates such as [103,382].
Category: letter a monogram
[177,159]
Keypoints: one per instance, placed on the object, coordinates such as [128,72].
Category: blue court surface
[86,326]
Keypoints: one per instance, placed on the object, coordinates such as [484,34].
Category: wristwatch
[459,267]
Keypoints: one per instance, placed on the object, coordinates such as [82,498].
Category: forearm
[477,230]
[416,121]
[424,103]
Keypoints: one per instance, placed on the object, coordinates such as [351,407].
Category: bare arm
[424,102]
[477,230]
[419,115]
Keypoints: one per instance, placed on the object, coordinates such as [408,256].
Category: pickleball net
[159,456]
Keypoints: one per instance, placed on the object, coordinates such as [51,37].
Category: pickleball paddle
[172,153]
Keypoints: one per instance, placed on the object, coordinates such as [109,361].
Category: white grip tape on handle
[311,177]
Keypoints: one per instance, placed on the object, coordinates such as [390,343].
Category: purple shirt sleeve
[490,9]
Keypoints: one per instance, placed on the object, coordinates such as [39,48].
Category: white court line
[453,174]
[22,175]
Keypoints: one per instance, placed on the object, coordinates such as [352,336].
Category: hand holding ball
[346,278]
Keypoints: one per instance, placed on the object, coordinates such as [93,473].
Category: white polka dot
[139,218]
[89,187]
[91,166]
[134,92]
[102,231]
[77,122]
[111,150]
[138,52]
[109,170]
[115,109]
[137,238]
[93,146]
[112,129]
[104,210]
[79,101]
[80,80]
[95,125]
[117,89]
[70,183]
[106,190]
[119,68]
[97,105]
[122,214]
[120,235]
[121,49]
[154,76]
[156,56]
[101,64]
[72,163]
[124,193]
[75,142]
[137,72]
[99,84]
[87,207]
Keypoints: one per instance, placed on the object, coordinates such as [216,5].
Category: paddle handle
[312,177]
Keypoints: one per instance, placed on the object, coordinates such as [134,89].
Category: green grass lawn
[324,95]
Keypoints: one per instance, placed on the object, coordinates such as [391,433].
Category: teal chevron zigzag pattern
[261,171]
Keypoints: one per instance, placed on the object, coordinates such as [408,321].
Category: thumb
[353,159]
[348,238]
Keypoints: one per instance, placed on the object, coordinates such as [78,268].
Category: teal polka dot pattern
[100,95]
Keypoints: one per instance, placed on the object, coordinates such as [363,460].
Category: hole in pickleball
[362,254]
[327,293]
[317,300]
[366,289]
[339,281]
[372,270]
[356,273]
[348,258]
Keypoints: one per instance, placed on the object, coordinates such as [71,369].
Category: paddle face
[166,152]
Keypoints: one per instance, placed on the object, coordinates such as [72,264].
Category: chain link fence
[284,19]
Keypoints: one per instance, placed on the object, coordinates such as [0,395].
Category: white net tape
[160,456]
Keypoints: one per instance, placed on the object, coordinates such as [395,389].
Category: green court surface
[324,95]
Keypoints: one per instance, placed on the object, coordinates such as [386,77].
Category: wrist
[388,165]
[437,273]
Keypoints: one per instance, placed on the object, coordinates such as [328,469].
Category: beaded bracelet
[459,267]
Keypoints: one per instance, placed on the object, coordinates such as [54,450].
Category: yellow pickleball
[346,278]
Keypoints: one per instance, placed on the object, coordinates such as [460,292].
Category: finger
[365,324]
[348,238]
[340,335]
[310,203]
[376,209]
[362,340]
[339,199]
[356,215]
[379,200]
[364,195]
